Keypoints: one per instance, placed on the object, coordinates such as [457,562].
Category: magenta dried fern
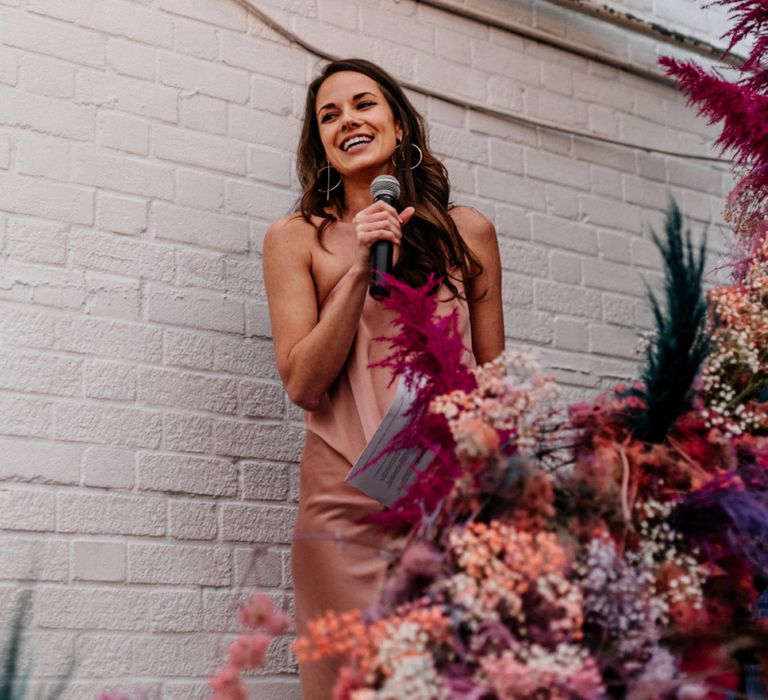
[742,106]
[744,113]
[428,354]
[750,19]
[427,345]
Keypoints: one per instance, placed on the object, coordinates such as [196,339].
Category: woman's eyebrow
[354,97]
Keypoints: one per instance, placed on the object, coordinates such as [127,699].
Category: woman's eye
[363,105]
[327,117]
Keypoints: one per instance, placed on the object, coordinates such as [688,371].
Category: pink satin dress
[339,563]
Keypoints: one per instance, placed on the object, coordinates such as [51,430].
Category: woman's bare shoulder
[472,225]
[290,231]
[291,225]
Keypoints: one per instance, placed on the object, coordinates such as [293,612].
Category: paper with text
[388,479]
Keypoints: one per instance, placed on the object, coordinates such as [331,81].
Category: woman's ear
[398,132]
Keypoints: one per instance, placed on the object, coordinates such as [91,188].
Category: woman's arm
[486,313]
[311,351]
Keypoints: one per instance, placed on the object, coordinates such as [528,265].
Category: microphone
[384,188]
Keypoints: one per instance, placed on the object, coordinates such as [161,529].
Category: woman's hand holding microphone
[379,222]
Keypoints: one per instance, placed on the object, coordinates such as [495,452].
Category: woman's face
[356,124]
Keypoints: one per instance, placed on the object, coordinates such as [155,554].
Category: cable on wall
[605,13]
[543,37]
[479,107]
[657,31]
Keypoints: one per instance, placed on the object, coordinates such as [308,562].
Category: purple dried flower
[616,598]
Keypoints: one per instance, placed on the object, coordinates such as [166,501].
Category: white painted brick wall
[147,449]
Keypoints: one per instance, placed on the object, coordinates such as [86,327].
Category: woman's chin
[368,166]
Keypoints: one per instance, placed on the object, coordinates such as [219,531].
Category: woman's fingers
[379,211]
[388,223]
[382,216]
[368,236]
[406,215]
[382,225]
[385,225]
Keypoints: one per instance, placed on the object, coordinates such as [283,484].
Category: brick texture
[148,451]
[98,561]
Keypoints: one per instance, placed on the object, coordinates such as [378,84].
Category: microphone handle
[381,260]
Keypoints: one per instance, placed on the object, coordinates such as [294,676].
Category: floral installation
[615,548]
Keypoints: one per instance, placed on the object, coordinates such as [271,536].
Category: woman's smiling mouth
[355,143]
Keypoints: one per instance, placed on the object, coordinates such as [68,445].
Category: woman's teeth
[355,143]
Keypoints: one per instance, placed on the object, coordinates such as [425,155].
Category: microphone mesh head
[385,185]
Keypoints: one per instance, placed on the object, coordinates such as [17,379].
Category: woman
[358,124]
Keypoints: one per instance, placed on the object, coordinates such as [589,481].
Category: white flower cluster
[723,410]
[512,394]
[565,660]
[737,367]
[481,606]
[659,544]
[408,666]
[525,670]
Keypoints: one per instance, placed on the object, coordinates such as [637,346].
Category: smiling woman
[359,124]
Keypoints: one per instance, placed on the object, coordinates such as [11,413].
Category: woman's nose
[348,118]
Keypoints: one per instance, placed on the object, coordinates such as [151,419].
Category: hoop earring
[418,150]
[327,189]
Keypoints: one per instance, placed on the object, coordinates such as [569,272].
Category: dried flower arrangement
[614,549]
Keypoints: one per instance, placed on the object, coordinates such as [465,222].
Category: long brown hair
[431,243]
